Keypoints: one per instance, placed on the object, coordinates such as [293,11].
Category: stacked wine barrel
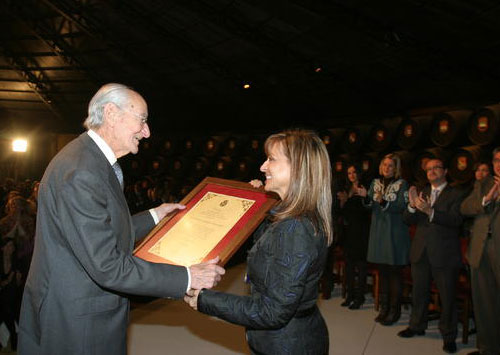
[461,138]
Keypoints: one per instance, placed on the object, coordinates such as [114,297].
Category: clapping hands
[494,192]
[419,201]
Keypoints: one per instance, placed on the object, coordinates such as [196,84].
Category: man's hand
[191,298]
[492,195]
[167,208]
[206,275]
[423,204]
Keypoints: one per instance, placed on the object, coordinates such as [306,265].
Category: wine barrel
[353,140]
[339,164]
[233,146]
[156,166]
[368,163]
[254,147]
[463,161]
[448,128]
[189,147]
[411,132]
[146,149]
[246,168]
[133,167]
[329,140]
[179,166]
[200,168]
[211,146]
[168,147]
[222,167]
[483,125]
[379,138]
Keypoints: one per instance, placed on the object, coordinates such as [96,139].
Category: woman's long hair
[309,192]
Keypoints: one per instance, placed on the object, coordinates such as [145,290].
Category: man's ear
[110,114]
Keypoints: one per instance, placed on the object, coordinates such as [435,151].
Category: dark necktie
[119,173]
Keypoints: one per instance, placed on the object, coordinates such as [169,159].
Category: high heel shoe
[356,304]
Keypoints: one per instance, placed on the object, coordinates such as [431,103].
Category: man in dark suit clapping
[75,297]
[435,252]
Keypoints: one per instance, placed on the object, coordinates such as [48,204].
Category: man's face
[436,173]
[131,125]
[496,164]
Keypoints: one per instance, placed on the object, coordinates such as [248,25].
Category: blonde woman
[389,242]
[289,254]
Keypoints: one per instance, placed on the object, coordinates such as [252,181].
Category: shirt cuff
[189,279]
[485,204]
[154,215]
[411,209]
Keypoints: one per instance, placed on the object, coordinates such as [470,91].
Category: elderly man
[435,252]
[484,206]
[75,296]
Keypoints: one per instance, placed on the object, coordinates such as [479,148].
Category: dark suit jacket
[472,206]
[82,265]
[440,238]
[284,268]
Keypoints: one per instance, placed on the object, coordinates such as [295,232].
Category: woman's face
[352,175]
[388,168]
[482,171]
[277,170]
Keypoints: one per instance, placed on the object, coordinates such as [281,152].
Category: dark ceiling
[324,63]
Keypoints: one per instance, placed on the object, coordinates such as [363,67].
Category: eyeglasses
[143,118]
[433,168]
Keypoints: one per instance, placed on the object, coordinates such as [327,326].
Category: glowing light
[246,86]
[19,145]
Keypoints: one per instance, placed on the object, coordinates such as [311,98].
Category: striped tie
[119,173]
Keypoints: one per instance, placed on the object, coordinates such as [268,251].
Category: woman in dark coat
[286,262]
[389,243]
[356,220]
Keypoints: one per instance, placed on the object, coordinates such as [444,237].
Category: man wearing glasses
[435,252]
[75,300]
[483,256]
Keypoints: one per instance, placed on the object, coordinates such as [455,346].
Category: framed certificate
[219,216]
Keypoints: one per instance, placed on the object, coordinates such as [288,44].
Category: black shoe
[392,317]
[381,316]
[410,333]
[450,347]
[356,304]
[347,302]
[477,352]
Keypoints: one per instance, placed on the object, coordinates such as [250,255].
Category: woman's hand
[361,191]
[413,196]
[256,183]
[191,298]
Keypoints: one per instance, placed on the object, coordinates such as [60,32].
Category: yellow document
[201,228]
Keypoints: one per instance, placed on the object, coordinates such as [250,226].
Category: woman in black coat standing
[356,223]
[286,262]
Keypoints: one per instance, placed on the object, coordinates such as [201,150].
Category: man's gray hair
[117,94]
[495,151]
